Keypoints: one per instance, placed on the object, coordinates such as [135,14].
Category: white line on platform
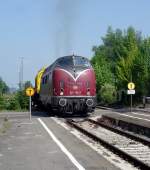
[62,147]
[98,148]
[132,116]
[141,114]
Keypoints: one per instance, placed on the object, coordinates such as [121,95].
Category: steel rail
[116,150]
[114,109]
[121,132]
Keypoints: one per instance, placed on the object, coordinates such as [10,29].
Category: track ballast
[132,150]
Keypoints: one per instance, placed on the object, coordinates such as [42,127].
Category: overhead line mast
[21,74]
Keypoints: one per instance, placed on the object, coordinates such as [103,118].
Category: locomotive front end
[74,85]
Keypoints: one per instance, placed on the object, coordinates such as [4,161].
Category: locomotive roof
[65,57]
[68,56]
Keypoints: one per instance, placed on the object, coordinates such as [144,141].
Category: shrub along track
[131,148]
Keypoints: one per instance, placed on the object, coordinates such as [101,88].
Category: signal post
[131,91]
[30,92]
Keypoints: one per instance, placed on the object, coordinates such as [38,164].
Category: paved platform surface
[135,117]
[14,115]
[28,146]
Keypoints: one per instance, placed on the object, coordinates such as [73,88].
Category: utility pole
[21,74]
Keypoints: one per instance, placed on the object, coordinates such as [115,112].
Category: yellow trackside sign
[131,86]
[29,91]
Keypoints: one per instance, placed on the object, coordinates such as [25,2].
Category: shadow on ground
[43,113]
[40,114]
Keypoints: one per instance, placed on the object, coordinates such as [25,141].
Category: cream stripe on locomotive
[75,79]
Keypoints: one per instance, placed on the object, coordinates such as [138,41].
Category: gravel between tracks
[129,146]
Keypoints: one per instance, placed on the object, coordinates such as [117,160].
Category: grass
[18,110]
[5,126]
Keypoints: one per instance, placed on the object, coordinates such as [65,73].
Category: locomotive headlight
[88,92]
[62,87]
[62,92]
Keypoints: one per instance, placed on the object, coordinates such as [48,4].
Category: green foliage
[3,87]
[107,94]
[22,99]
[2,102]
[124,56]
[16,101]
[102,68]
[143,63]
[13,104]
[27,84]
[103,73]
[125,64]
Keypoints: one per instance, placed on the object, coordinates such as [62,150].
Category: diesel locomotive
[67,86]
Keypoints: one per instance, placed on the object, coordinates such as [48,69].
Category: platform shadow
[40,114]
[48,113]
[79,115]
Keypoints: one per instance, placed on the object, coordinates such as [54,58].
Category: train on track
[66,86]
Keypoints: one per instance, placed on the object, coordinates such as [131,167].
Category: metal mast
[21,74]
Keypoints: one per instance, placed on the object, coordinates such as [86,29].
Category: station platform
[42,143]
[136,121]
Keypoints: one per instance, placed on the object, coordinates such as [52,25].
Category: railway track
[114,109]
[129,148]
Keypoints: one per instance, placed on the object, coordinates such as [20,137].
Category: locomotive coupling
[62,102]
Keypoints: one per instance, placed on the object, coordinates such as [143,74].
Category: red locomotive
[68,85]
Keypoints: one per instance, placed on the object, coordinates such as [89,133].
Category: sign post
[131,91]
[30,92]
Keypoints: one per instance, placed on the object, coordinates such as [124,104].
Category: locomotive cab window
[74,61]
[66,62]
[81,61]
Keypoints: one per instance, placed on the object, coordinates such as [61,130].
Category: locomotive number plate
[75,87]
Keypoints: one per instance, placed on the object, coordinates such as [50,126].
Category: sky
[40,31]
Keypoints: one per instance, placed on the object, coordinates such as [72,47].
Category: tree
[21,97]
[141,69]
[2,102]
[123,56]
[27,84]
[3,87]
[125,64]
[108,94]
[103,72]
[102,69]
[13,103]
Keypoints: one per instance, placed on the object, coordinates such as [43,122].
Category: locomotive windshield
[66,61]
[74,61]
[81,61]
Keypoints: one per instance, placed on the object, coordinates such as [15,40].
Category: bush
[17,101]
[13,104]
[22,99]
[2,103]
[107,94]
